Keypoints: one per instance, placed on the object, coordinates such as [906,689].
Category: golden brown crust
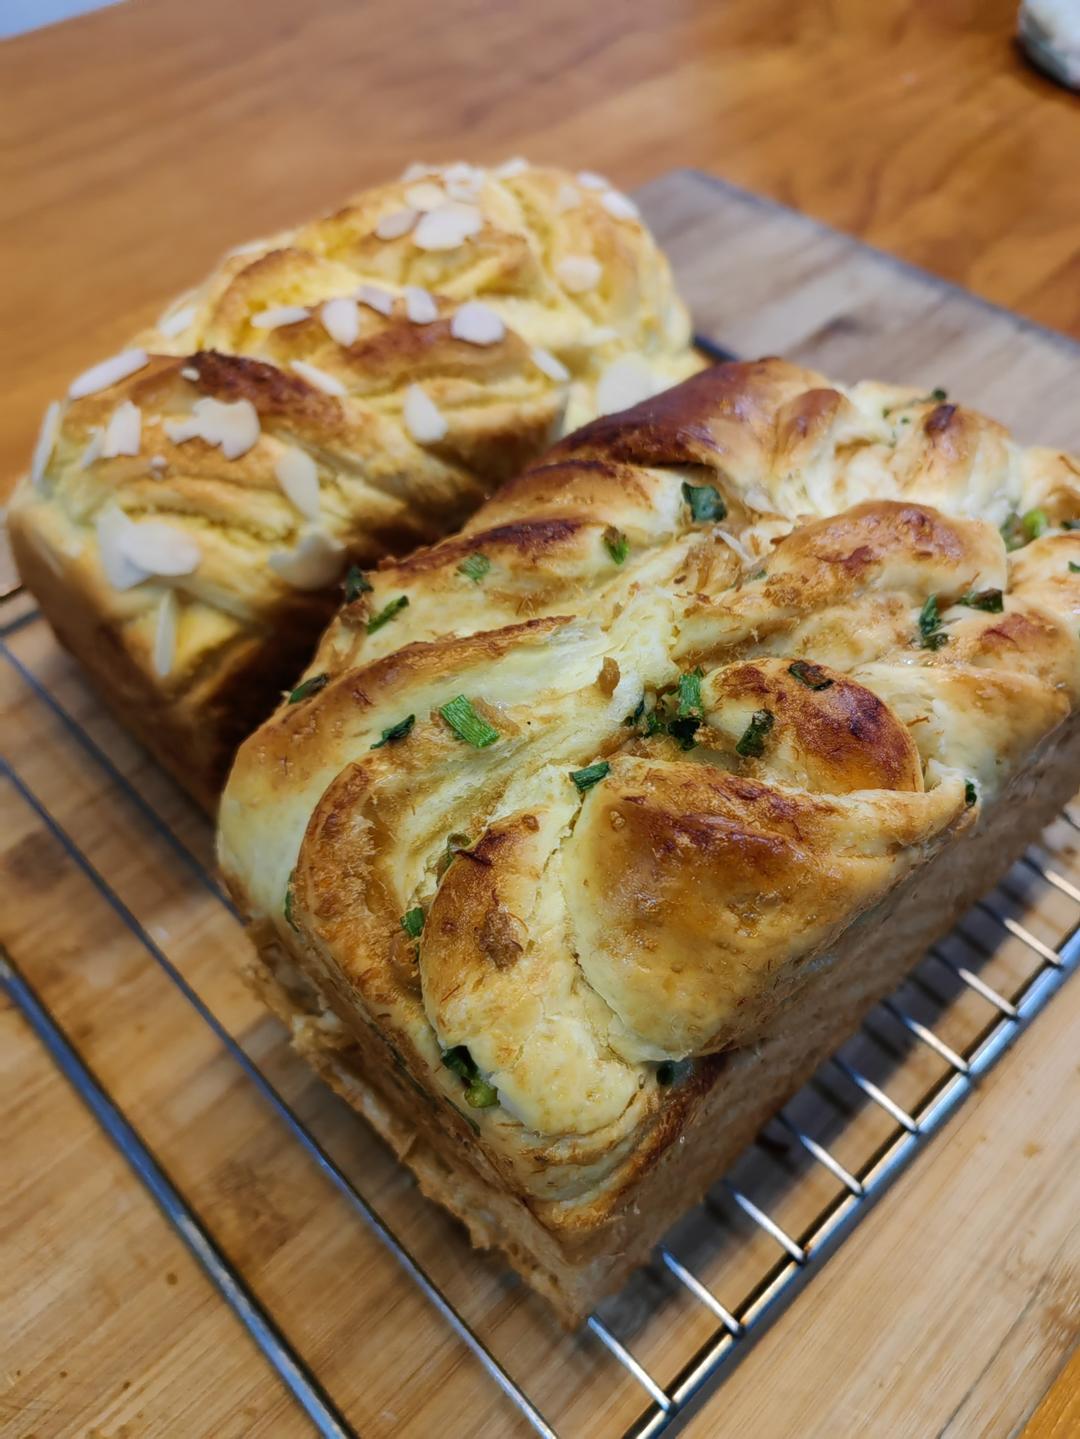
[333,395]
[751,656]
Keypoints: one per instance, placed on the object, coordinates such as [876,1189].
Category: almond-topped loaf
[349,389]
[591,831]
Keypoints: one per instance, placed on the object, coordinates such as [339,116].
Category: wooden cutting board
[950,1311]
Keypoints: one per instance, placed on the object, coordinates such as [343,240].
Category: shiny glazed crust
[771,701]
[192,660]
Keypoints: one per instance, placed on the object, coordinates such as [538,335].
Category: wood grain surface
[951,1311]
[141,141]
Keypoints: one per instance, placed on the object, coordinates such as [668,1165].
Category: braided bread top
[591,788]
[352,387]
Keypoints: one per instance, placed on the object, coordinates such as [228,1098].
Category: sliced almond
[620,206]
[279,315]
[448,227]
[108,372]
[396,224]
[341,320]
[159,548]
[164,657]
[625,382]
[375,298]
[425,196]
[46,442]
[232,425]
[477,324]
[176,323]
[298,476]
[316,561]
[123,433]
[551,366]
[329,384]
[579,273]
[423,418]
[420,306]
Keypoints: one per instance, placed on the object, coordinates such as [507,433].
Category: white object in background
[1050,33]
[19,16]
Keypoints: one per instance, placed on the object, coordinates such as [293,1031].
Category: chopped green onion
[970,792]
[810,675]
[356,583]
[989,600]
[690,693]
[684,729]
[616,544]
[481,1095]
[467,724]
[395,732]
[590,775]
[929,618]
[752,743]
[654,724]
[1035,523]
[386,614]
[455,843]
[1012,532]
[932,636]
[1074,567]
[475,567]
[705,502]
[309,687]
[673,1071]
[939,395]
[478,1092]
[412,922]
[636,713]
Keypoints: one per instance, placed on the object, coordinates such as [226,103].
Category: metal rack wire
[906,1023]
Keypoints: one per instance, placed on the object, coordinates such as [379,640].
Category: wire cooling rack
[727,1269]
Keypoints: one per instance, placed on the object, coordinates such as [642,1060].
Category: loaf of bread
[349,389]
[592,831]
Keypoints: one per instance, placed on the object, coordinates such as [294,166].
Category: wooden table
[141,141]
[197,125]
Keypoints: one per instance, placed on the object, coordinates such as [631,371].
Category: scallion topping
[705,502]
[356,583]
[931,634]
[989,600]
[810,675]
[478,1092]
[394,732]
[455,843]
[590,775]
[970,792]
[386,614]
[474,567]
[616,544]
[752,743]
[412,922]
[1074,567]
[467,724]
[690,694]
[311,686]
